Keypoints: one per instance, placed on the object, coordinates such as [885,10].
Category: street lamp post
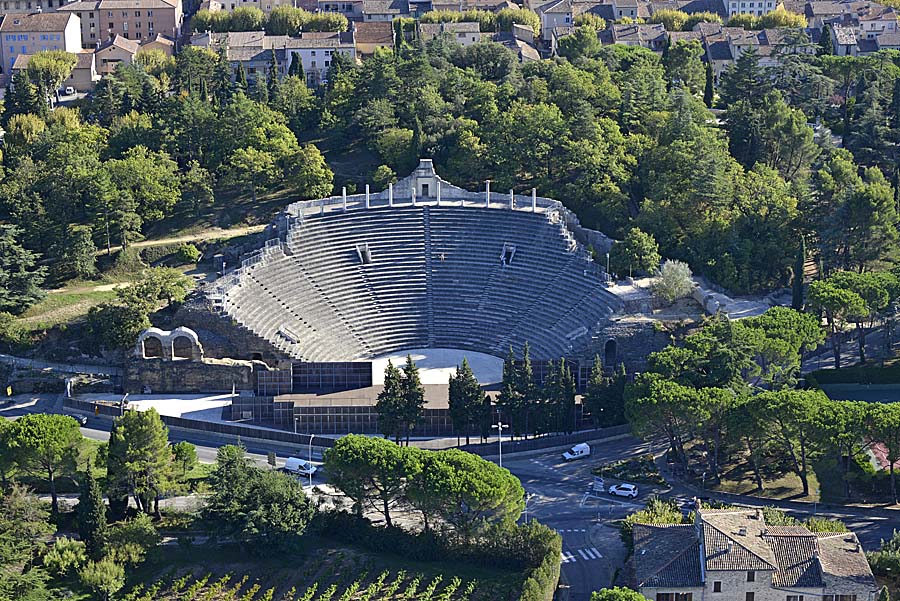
[528,497]
[122,404]
[295,424]
[500,425]
[607,267]
[311,436]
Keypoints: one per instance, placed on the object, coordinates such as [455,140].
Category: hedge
[866,374]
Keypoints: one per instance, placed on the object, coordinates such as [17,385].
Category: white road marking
[583,554]
[594,549]
[567,557]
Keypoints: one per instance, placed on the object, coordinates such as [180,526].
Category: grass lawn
[220,572]
[62,308]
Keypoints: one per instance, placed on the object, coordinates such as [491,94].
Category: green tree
[51,68]
[583,43]
[46,446]
[286,20]
[25,531]
[389,405]
[155,285]
[131,540]
[197,188]
[839,305]
[250,168]
[792,415]
[275,513]
[826,45]
[308,173]
[91,517]
[347,466]
[149,179]
[23,98]
[247,18]
[885,418]
[709,86]
[683,65]
[638,252]
[744,80]
[798,275]
[413,397]
[65,556]
[104,577]
[230,483]
[466,400]
[20,278]
[616,594]
[184,455]
[673,282]
[140,459]
[115,327]
[672,20]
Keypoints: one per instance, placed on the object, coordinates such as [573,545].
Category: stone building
[733,555]
[38,32]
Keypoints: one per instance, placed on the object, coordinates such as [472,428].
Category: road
[557,496]
[592,548]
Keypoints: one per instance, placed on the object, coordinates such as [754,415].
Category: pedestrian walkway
[586,554]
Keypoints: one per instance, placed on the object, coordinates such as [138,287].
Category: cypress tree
[296,68]
[567,390]
[510,398]
[466,399]
[797,285]
[204,90]
[709,88]
[389,403]
[826,46]
[413,396]
[241,81]
[273,76]
[90,516]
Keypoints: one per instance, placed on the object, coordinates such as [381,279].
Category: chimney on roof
[759,514]
[742,531]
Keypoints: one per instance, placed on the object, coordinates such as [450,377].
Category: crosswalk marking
[571,530]
[587,554]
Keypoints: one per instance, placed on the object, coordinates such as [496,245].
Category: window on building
[150,26]
[93,35]
[110,26]
[126,35]
[795,598]
[137,13]
[751,576]
[90,15]
[149,13]
[717,586]
[312,53]
[749,596]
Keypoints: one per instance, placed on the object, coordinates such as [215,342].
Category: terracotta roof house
[141,20]
[38,32]
[733,555]
[463,33]
[117,50]
[373,35]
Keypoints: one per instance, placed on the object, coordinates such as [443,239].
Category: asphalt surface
[559,493]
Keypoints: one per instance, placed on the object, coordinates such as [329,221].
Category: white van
[301,467]
[577,452]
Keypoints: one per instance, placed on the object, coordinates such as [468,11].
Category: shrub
[187,253]
[154,254]
[65,556]
[674,281]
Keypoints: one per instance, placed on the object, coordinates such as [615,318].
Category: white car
[69,91]
[300,467]
[624,490]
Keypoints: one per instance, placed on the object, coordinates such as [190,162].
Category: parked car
[81,419]
[300,467]
[577,452]
[624,490]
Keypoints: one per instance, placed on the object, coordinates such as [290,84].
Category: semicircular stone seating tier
[358,284]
